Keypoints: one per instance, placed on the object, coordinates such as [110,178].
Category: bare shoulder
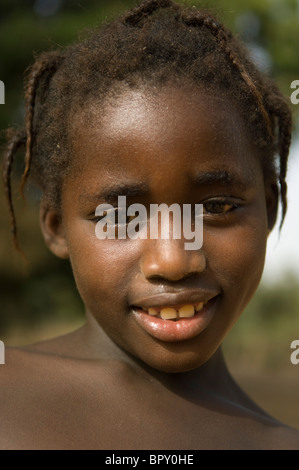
[260,431]
[50,391]
[274,435]
[30,365]
[45,394]
[55,363]
[283,438]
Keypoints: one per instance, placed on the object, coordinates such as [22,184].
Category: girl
[161,106]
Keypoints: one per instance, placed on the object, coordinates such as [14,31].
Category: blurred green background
[38,299]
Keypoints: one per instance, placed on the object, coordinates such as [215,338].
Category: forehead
[137,130]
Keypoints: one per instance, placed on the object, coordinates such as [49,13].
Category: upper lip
[169,299]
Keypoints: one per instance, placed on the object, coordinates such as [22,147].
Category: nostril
[172,265]
[170,277]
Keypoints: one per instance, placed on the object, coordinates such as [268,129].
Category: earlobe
[53,233]
[272,205]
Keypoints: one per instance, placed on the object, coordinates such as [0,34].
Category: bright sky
[283,252]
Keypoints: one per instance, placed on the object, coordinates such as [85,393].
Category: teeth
[199,307]
[186,311]
[168,313]
[153,311]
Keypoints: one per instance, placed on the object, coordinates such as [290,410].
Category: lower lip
[178,330]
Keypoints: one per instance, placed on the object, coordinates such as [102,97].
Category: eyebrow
[224,178]
[111,193]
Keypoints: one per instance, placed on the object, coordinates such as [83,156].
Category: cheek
[101,267]
[236,257]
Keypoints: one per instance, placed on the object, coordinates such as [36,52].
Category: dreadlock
[156,42]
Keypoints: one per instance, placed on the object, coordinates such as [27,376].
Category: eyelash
[222,202]
[227,204]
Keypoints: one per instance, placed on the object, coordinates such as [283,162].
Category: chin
[176,362]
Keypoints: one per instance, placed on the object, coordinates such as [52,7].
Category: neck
[211,377]
[209,385]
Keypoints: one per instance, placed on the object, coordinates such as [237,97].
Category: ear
[53,232]
[271,204]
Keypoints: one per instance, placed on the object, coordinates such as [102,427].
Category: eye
[219,207]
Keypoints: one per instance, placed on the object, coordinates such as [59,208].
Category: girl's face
[172,145]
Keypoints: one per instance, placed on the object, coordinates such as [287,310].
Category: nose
[169,260]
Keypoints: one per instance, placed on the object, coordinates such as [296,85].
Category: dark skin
[112,384]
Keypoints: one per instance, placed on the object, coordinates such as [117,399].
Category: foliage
[267,327]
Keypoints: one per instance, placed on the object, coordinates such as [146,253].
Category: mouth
[175,321]
[174,312]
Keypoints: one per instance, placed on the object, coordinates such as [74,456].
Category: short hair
[157,42]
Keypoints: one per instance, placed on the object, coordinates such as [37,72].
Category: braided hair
[156,42]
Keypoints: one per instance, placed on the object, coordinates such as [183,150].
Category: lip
[173,299]
[181,329]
